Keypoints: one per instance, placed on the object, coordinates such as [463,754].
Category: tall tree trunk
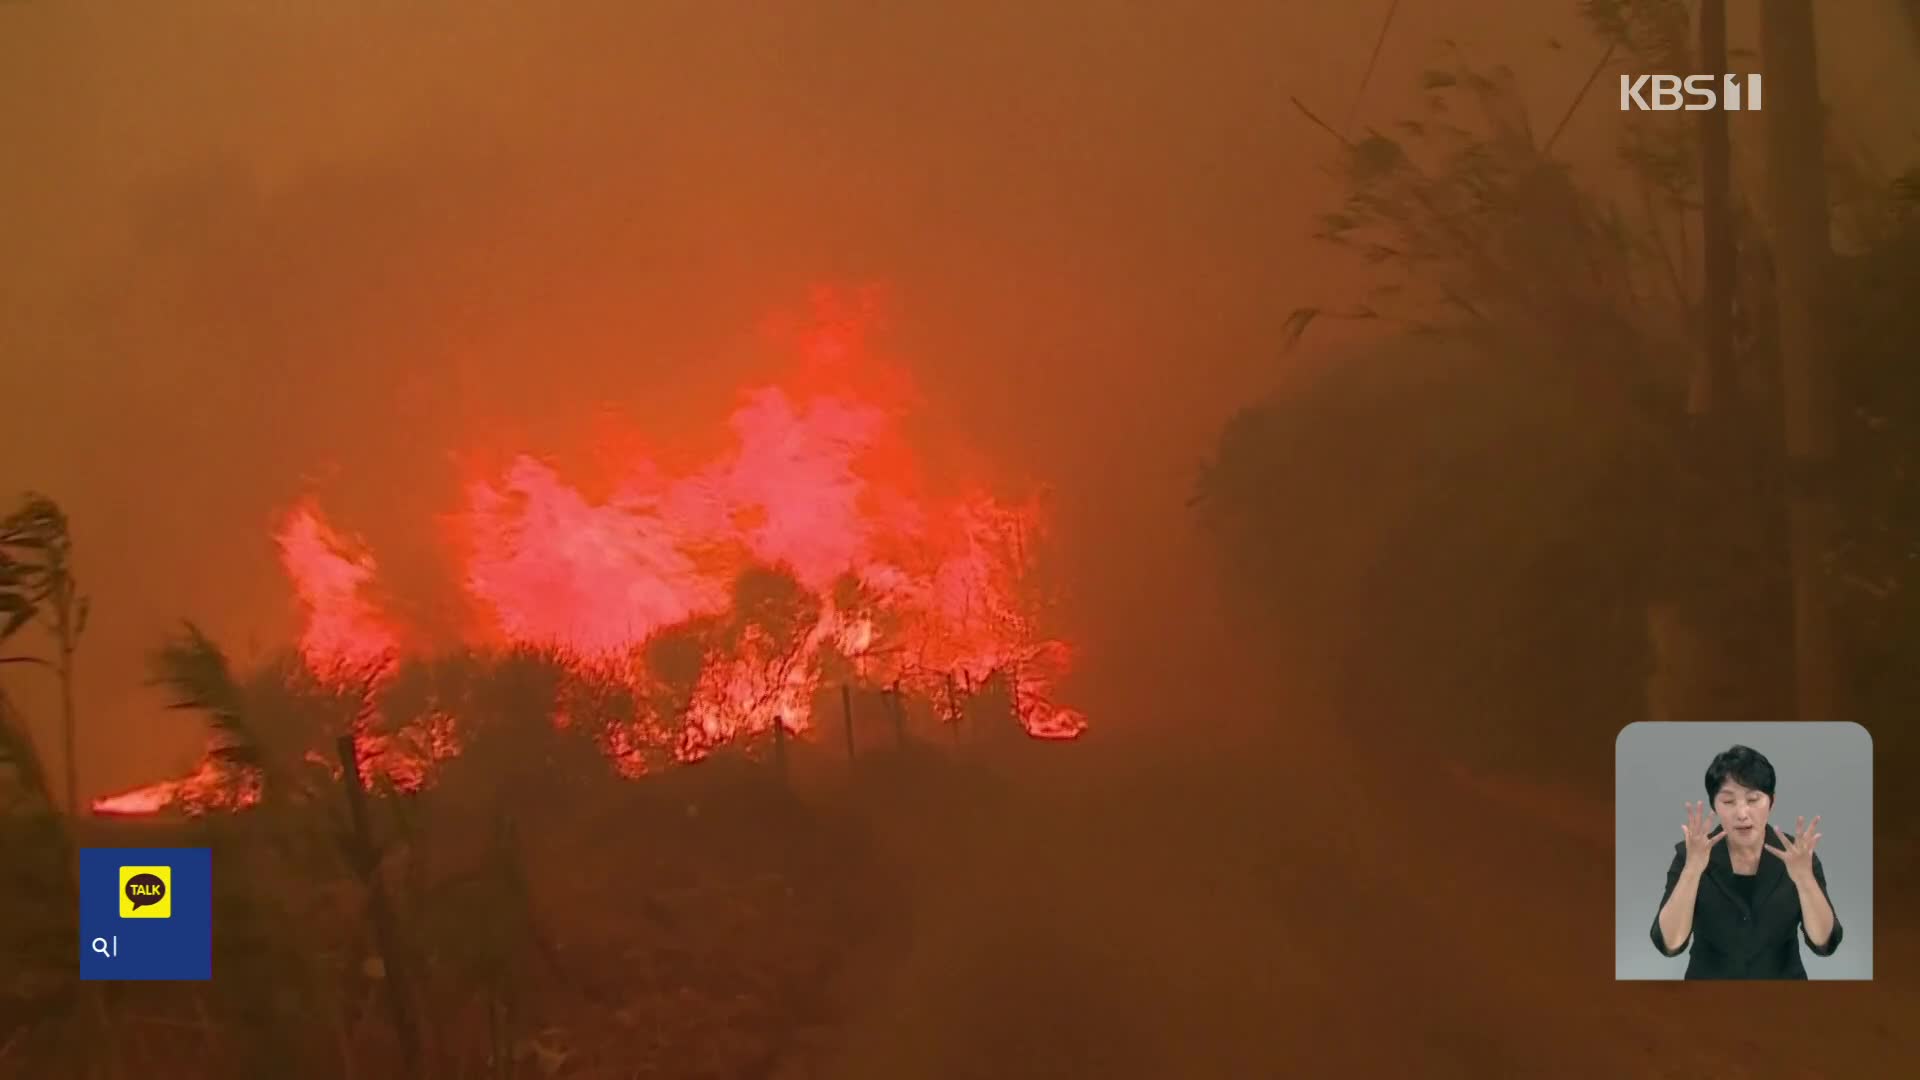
[1797,205]
[70,739]
[69,611]
[1690,645]
[1712,379]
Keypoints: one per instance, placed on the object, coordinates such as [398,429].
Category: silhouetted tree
[21,770]
[36,578]
[673,661]
[285,858]
[1405,513]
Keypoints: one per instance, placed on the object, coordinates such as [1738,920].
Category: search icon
[100,946]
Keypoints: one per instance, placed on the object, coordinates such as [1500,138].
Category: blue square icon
[146,913]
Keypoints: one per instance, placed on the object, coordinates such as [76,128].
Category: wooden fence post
[953,708]
[364,855]
[846,714]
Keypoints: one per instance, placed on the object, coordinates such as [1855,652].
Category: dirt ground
[1282,902]
[1299,906]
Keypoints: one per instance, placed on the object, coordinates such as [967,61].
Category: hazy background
[254,251]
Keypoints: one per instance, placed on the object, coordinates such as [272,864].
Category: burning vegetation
[665,613]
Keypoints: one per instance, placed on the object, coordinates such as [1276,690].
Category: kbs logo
[1695,93]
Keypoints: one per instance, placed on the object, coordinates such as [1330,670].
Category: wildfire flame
[343,630]
[806,552]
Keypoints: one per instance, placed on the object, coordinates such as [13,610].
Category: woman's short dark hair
[1744,766]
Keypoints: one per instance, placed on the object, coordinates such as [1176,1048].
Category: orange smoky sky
[256,253]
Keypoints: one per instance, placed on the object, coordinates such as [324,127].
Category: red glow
[343,631]
[140,801]
[808,549]
[213,786]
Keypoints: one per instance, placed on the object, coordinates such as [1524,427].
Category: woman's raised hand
[1698,825]
[1797,853]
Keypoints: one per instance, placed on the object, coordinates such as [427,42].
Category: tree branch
[1574,105]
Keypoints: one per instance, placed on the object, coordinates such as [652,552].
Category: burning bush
[677,612]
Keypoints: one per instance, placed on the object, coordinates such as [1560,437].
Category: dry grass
[692,924]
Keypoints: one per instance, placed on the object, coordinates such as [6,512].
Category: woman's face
[1743,813]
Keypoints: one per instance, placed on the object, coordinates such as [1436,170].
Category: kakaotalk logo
[1694,93]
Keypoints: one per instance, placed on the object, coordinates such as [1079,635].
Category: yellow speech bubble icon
[146,892]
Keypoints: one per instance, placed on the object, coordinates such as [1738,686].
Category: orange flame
[806,546]
[343,630]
